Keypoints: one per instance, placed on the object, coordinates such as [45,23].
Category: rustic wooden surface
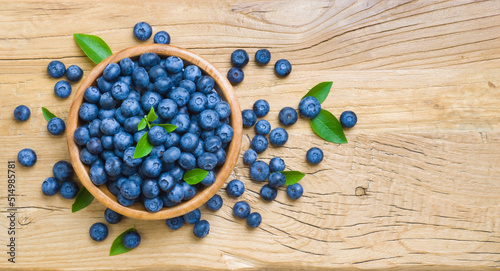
[417,187]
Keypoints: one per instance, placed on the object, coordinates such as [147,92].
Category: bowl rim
[102,193]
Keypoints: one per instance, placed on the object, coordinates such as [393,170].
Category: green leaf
[141,125]
[143,147]
[328,127]
[168,127]
[151,115]
[93,46]
[293,177]
[47,114]
[82,200]
[320,91]
[118,247]
[195,176]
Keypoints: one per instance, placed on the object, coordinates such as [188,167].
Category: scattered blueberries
[241,209]
[235,188]
[215,203]
[62,89]
[235,75]
[239,58]
[309,107]
[50,186]
[278,136]
[348,119]
[294,191]
[98,232]
[283,68]
[254,219]
[249,118]
[261,108]
[276,164]
[288,116]
[56,126]
[143,31]
[26,157]
[22,113]
[74,73]
[201,228]
[314,155]
[131,239]
[262,56]
[56,69]
[162,37]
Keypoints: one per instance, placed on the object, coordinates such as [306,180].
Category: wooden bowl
[137,210]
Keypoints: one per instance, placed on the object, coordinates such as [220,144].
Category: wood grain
[415,188]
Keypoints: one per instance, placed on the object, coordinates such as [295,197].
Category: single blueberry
[103,85]
[130,125]
[176,194]
[235,75]
[157,72]
[261,108]
[221,157]
[157,151]
[188,85]
[120,91]
[140,77]
[126,66]
[189,191]
[94,145]
[225,133]
[348,119]
[223,109]
[56,126]
[157,135]
[111,72]
[192,217]
[215,203]
[207,161]
[249,157]
[88,112]
[254,219]
[98,232]
[262,56]
[268,193]
[212,144]
[143,31]
[171,155]
[151,167]
[98,175]
[107,142]
[235,188]
[92,95]
[239,58]
[22,113]
[175,223]
[124,201]
[95,128]
[166,182]
[150,99]
[197,102]
[69,189]
[119,117]
[177,173]
[163,85]
[130,189]
[259,171]
[56,69]
[187,161]
[288,116]
[153,205]
[167,109]
[189,142]
[259,143]
[174,64]
[162,37]
[309,107]
[201,228]
[173,139]
[81,135]
[62,89]
[129,108]
[276,164]
[209,119]
[180,96]
[278,136]
[294,191]
[86,157]
[128,157]
[213,99]
[192,73]
[62,170]
[106,114]
[205,84]
[131,239]
[50,186]
[241,209]
[107,101]
[249,118]
[276,179]
[206,134]
[112,217]
[109,126]
[262,127]
[314,155]
[113,166]
[282,68]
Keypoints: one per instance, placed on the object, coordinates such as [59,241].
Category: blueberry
[69,189]
[221,157]
[209,179]
[180,96]
[150,99]
[262,127]
[124,201]
[131,239]
[140,77]
[107,142]
[288,116]
[276,164]
[212,144]
[22,113]
[62,170]
[56,126]
[176,78]
[167,109]
[173,139]
[259,171]
[249,157]
[106,114]
[294,191]
[173,64]
[62,89]
[107,101]
[171,155]
[97,173]
[206,134]
[209,119]
[128,157]
[177,173]
[176,194]
[112,217]
[194,128]
[249,118]
[205,84]
[26,157]
[74,73]
[126,66]
[199,149]
[157,72]
[235,75]
[309,107]
[189,191]
[241,209]
[95,128]
[282,68]
[151,167]
[81,135]
[109,126]
[111,72]
[261,108]
[129,108]
[163,85]
[86,157]
[113,188]
[153,205]
[113,166]
[187,161]
[254,219]
[120,91]
[130,189]
[348,119]
[94,145]
[56,69]
[92,95]
[262,56]
[276,179]
[88,112]
[212,100]
[201,228]
[225,132]
[188,85]
[259,143]
[50,186]
[223,109]
[239,58]
[98,232]
[207,161]
[103,85]
[143,31]
[162,37]
[192,73]
[157,151]
[157,135]
[268,193]
[189,142]
[215,203]
[314,155]
[235,188]
[130,125]
[278,136]
[175,223]
[197,102]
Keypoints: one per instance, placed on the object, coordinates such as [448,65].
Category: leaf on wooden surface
[93,46]
[82,200]
[47,114]
[328,127]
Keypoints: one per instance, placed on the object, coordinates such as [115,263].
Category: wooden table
[417,186]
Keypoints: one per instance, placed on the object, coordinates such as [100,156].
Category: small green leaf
[328,127]
[168,127]
[118,247]
[143,147]
[195,176]
[47,114]
[152,115]
[293,177]
[320,91]
[93,46]
[141,125]
[82,200]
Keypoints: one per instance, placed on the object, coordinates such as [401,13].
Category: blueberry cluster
[241,209]
[62,181]
[57,69]
[239,59]
[143,31]
[180,95]
[201,228]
